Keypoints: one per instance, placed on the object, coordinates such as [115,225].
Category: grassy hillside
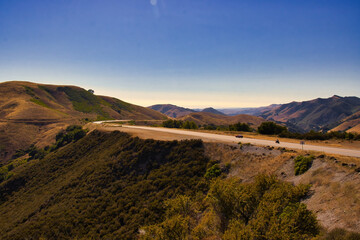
[30,112]
[106,185]
[31,101]
[205,118]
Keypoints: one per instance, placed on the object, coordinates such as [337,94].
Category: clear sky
[192,53]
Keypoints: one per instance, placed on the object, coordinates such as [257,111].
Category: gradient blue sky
[193,53]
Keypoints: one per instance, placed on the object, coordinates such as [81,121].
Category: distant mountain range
[318,114]
[251,111]
[322,114]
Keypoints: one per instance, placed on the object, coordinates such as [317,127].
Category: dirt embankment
[335,180]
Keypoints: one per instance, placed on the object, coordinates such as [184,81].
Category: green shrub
[264,209]
[271,128]
[72,133]
[213,172]
[302,164]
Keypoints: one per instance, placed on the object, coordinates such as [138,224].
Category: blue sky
[193,53]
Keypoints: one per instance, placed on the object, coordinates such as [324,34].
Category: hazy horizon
[194,54]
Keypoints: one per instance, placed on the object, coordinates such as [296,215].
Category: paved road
[232,139]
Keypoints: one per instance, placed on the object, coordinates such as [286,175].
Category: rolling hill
[33,113]
[317,114]
[205,118]
[171,110]
[212,110]
[25,101]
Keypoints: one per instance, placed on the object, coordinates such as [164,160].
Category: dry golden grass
[33,113]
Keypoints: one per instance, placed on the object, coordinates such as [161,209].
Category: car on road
[239,136]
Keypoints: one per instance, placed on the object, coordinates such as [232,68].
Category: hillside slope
[349,124]
[317,114]
[105,186]
[172,110]
[204,118]
[25,101]
[32,113]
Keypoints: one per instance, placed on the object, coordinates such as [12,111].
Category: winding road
[232,139]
